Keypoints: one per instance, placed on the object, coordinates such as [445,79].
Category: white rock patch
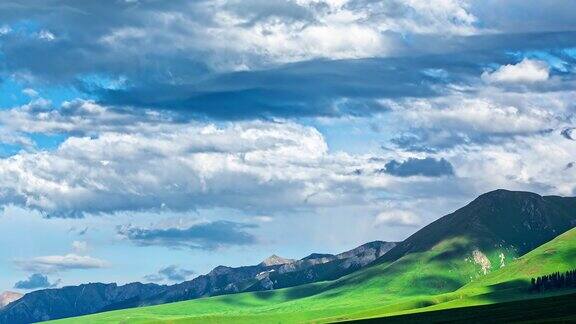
[481,259]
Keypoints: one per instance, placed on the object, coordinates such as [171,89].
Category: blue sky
[149,140]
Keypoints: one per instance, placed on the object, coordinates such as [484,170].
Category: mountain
[275,260]
[7,297]
[477,241]
[507,284]
[512,222]
[48,304]
[321,267]
[271,273]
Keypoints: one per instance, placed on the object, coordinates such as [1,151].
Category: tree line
[555,280]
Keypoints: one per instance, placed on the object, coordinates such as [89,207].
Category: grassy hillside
[508,283]
[462,259]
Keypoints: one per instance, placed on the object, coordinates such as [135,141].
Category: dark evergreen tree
[554,280]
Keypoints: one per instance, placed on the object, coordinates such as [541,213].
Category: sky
[151,141]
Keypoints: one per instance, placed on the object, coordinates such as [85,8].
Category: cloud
[35,281]
[567,133]
[527,71]
[239,71]
[80,247]
[428,167]
[59,263]
[263,218]
[170,273]
[233,34]
[478,115]
[331,88]
[205,236]
[182,168]
[80,118]
[397,218]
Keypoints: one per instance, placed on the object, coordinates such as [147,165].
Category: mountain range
[272,273]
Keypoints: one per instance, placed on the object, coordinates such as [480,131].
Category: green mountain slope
[424,271]
[506,284]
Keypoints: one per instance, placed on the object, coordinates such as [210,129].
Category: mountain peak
[7,297]
[275,260]
[507,194]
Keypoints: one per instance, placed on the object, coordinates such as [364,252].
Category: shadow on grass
[552,309]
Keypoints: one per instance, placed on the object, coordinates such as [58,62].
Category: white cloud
[46,35]
[486,111]
[181,169]
[527,71]
[248,34]
[263,219]
[5,30]
[397,218]
[536,163]
[79,117]
[58,263]
[30,92]
[80,247]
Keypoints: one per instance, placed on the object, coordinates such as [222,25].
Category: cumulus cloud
[181,169]
[527,71]
[205,236]
[234,34]
[533,163]
[35,281]
[429,167]
[80,118]
[170,274]
[397,218]
[478,115]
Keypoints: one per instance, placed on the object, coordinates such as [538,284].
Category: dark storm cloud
[35,281]
[428,167]
[303,89]
[205,236]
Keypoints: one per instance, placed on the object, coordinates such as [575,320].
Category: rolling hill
[436,266]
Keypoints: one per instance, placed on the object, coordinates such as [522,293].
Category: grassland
[441,278]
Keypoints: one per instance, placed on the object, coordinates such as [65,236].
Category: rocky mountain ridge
[273,272]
